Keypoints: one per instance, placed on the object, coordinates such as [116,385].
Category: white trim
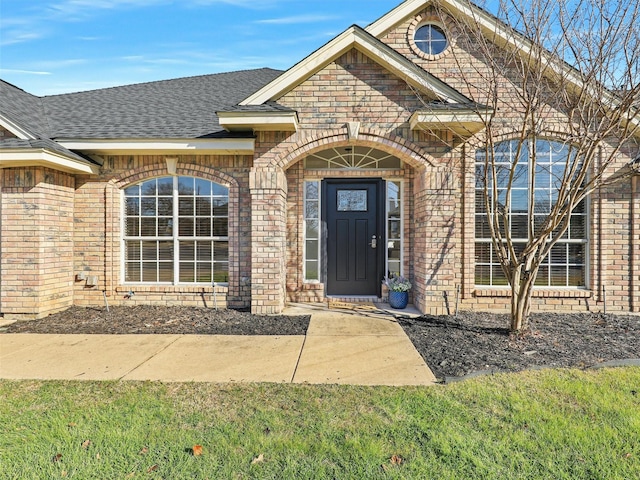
[45,158]
[355,37]
[230,146]
[14,128]
[257,121]
[464,123]
[396,16]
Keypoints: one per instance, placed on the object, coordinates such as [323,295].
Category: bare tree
[567,70]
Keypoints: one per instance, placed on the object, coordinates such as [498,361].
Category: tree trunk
[521,290]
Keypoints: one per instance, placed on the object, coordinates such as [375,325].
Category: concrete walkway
[339,348]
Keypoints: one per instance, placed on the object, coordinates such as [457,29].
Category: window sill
[136,288]
[537,293]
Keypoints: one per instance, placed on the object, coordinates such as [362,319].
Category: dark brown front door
[355,243]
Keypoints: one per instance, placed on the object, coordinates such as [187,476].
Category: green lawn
[561,424]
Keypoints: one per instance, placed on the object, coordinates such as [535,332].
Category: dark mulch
[451,346]
[144,319]
[475,342]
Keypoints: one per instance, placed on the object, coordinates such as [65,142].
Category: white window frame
[586,240]
[175,238]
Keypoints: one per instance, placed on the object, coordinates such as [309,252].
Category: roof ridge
[166,80]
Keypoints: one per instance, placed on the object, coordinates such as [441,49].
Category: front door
[355,243]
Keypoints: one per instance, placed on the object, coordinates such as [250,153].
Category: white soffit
[222,146]
[463,123]
[258,121]
[44,158]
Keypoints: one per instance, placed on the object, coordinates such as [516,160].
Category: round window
[431,39]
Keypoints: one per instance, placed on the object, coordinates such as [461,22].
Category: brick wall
[36,242]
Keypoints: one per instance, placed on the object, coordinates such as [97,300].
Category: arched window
[566,265]
[176,231]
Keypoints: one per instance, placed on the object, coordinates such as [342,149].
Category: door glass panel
[352,200]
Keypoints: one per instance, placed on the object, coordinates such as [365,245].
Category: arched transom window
[176,231]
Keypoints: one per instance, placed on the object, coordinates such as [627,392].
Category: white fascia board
[217,146]
[396,16]
[43,158]
[14,128]
[259,121]
[355,38]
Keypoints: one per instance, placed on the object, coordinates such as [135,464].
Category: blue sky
[60,46]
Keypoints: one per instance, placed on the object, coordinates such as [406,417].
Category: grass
[555,424]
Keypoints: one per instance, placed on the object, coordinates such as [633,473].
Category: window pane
[204,251]
[220,227]
[312,229]
[132,251]
[187,272]
[165,206]
[186,207]
[165,227]
[165,272]
[165,250]
[311,210]
[132,206]
[220,208]
[132,227]
[186,227]
[148,227]
[203,206]
[221,272]
[221,251]
[149,272]
[165,186]
[187,251]
[312,250]
[519,226]
[483,275]
[312,190]
[203,187]
[483,253]
[203,227]
[311,272]
[185,186]
[203,272]
[132,272]
[148,208]
[149,250]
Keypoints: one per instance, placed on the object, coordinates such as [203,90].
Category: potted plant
[399,288]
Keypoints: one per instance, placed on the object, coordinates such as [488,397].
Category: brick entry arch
[269,198]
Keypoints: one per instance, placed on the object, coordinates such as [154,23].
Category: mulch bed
[145,319]
[475,342]
[451,346]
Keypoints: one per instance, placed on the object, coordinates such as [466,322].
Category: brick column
[268,239]
[435,256]
[36,230]
[635,243]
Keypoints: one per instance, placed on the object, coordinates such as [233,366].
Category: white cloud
[22,72]
[297,19]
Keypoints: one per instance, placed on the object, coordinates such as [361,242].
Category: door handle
[374,242]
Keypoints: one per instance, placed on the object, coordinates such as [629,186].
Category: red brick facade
[60,229]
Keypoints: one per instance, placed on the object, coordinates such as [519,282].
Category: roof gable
[361,40]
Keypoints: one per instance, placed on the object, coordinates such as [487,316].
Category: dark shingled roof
[23,109]
[180,108]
